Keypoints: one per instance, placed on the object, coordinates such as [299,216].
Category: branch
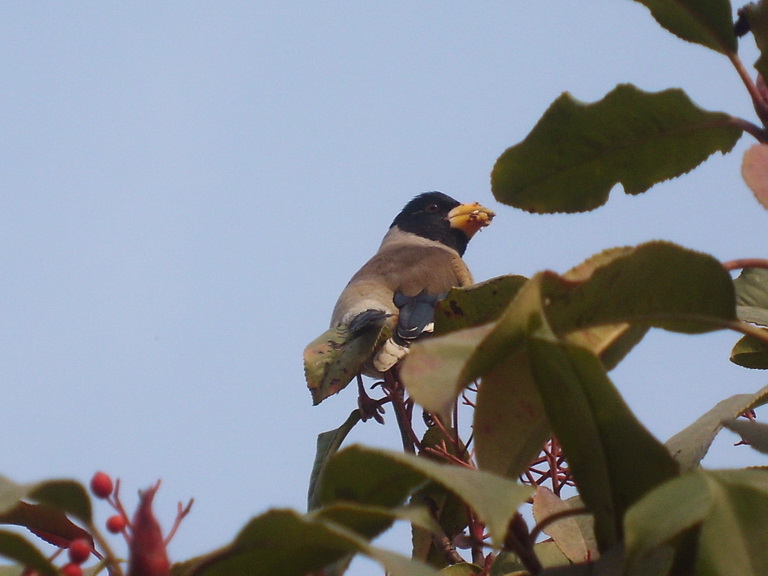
[394,390]
[446,548]
[749,330]
[760,134]
[519,541]
[109,559]
[477,535]
[740,263]
[761,108]
[181,513]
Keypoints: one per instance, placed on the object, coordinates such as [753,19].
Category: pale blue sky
[187,186]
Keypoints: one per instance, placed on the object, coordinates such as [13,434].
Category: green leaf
[370,521]
[17,548]
[604,304]
[751,306]
[753,433]
[367,476]
[752,296]
[665,513]
[729,506]
[12,571]
[613,458]
[750,352]
[448,510]
[65,495]
[705,22]
[334,358]
[328,443]
[508,564]
[476,304]
[577,152]
[689,446]
[437,369]
[48,519]
[286,543]
[609,342]
[656,284]
[385,478]
[510,424]
[43,507]
[732,539]
[434,371]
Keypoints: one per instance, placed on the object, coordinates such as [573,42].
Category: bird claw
[370,408]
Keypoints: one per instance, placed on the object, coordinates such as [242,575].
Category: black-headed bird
[390,301]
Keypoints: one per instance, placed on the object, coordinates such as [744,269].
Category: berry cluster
[147,547]
[103,488]
[79,551]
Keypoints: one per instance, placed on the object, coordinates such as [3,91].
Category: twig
[181,513]
[519,541]
[395,392]
[488,564]
[446,548]
[117,504]
[443,453]
[761,108]
[748,330]
[549,466]
[741,263]
[760,134]
[439,423]
[110,560]
[456,438]
[476,534]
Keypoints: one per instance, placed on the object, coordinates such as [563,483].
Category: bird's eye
[432,207]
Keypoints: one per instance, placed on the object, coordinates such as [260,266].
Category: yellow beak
[470,218]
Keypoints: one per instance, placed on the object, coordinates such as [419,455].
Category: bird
[390,301]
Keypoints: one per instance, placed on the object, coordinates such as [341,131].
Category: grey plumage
[407,264]
[390,301]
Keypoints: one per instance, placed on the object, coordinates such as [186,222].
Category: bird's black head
[427,216]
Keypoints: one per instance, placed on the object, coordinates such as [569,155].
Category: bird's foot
[368,407]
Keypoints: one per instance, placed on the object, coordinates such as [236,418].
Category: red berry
[101,485]
[116,524]
[79,550]
[71,570]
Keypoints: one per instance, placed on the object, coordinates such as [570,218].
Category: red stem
[740,263]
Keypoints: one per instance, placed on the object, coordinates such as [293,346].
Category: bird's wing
[333,359]
[417,314]
[407,267]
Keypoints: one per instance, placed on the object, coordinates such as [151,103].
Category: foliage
[530,357]
[578,152]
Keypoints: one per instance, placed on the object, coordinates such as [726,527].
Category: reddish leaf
[754,169]
[46,522]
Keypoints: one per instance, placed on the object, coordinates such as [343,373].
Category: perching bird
[390,301]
